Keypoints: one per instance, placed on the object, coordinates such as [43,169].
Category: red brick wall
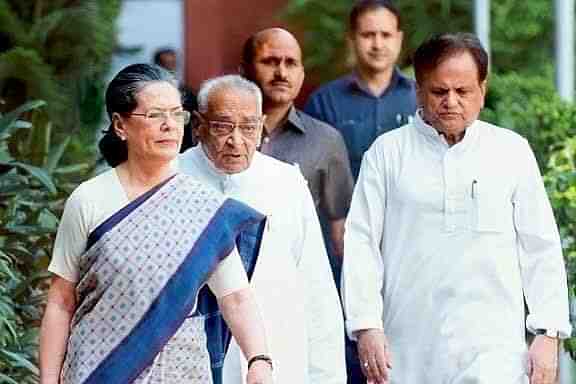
[215,31]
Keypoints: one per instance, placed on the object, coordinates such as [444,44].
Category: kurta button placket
[449,179]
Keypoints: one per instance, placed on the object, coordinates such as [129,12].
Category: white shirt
[292,281]
[441,243]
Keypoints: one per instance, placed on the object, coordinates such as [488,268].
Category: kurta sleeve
[540,252]
[229,276]
[362,268]
[325,325]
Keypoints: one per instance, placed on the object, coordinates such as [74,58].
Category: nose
[377,41]
[169,122]
[235,137]
[451,99]
[280,71]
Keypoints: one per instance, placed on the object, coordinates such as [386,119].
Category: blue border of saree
[232,221]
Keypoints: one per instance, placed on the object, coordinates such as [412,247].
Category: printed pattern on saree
[125,271]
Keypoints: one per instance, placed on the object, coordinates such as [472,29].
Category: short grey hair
[234,82]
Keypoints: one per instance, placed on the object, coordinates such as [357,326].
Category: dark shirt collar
[294,121]
[291,122]
[398,80]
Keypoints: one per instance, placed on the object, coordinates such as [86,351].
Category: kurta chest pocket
[492,206]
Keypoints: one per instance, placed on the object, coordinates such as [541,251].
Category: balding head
[261,37]
[272,58]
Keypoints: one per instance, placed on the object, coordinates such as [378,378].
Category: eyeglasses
[181,117]
[225,128]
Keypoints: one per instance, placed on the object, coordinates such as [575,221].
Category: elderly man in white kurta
[449,231]
[292,280]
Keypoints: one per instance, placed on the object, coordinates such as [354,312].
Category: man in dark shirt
[273,60]
[375,97]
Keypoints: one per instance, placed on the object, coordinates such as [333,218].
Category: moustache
[281,82]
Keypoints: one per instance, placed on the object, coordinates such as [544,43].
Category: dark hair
[443,46]
[248,50]
[121,98]
[362,6]
[157,58]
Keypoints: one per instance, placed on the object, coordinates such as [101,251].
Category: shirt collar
[294,121]
[227,181]
[397,80]
[432,133]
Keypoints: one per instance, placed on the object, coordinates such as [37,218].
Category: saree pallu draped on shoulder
[141,274]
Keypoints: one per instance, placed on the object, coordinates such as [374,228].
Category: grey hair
[234,82]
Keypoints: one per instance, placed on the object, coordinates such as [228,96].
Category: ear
[201,127]
[483,86]
[418,96]
[118,126]
[259,138]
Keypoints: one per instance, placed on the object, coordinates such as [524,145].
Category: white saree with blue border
[142,314]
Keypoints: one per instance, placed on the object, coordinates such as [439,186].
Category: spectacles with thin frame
[155,116]
[221,128]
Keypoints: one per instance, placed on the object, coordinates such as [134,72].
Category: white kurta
[292,280]
[441,243]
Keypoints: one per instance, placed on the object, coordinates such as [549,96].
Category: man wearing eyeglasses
[272,58]
[292,280]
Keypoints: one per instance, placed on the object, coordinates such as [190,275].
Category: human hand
[543,360]
[260,372]
[374,355]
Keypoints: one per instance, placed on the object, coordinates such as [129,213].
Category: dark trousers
[353,369]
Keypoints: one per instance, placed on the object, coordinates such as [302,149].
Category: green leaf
[69,169]
[19,361]
[4,379]
[27,230]
[39,174]
[7,121]
[55,155]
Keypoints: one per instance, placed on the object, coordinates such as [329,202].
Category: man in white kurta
[450,229]
[292,280]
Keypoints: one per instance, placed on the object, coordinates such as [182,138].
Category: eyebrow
[229,118]
[166,109]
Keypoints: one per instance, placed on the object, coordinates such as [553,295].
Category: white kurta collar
[227,182]
[470,136]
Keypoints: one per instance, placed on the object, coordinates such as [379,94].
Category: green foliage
[530,106]
[31,200]
[560,181]
[518,43]
[522,43]
[58,51]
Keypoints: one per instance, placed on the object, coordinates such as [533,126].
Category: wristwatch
[262,357]
[553,333]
